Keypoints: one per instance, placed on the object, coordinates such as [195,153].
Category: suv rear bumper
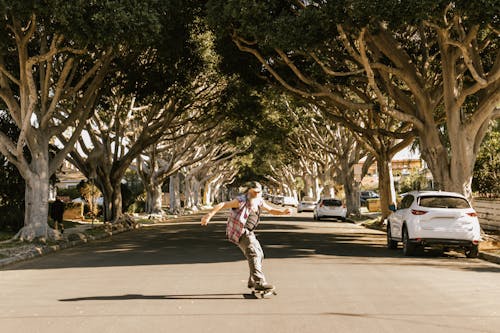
[334,216]
[443,242]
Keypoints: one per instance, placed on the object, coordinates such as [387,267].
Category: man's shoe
[264,286]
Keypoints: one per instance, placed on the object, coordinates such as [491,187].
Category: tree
[340,144]
[53,60]
[433,64]
[117,139]
[289,41]
[200,176]
[443,71]
[486,179]
[161,161]
[11,186]
[91,193]
[135,113]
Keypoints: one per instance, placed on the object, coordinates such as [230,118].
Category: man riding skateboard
[243,219]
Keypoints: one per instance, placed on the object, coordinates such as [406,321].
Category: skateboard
[264,293]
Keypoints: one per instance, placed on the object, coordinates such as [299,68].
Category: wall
[489,213]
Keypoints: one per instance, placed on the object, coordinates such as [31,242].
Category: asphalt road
[330,276]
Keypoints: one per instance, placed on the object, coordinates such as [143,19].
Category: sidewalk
[79,235]
[74,236]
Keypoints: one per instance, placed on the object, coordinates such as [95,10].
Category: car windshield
[444,202]
[332,202]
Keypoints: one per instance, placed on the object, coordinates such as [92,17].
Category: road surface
[331,277]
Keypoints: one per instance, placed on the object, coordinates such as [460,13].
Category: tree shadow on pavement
[189,243]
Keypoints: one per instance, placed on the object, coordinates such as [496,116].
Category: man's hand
[205,219]
[287,211]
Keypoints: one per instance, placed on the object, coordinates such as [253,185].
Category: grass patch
[374,223]
[95,231]
[6,235]
[66,224]
[147,221]
[362,218]
[9,245]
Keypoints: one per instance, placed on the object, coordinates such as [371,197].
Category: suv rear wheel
[391,244]
[472,252]
[408,247]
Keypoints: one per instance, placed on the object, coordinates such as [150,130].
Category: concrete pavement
[330,276]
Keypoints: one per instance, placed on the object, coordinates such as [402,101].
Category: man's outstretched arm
[274,211]
[223,205]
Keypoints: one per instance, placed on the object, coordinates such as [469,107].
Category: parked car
[365,195]
[307,204]
[432,218]
[278,200]
[330,207]
[290,201]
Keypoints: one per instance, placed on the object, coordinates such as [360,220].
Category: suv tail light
[418,212]
[472,214]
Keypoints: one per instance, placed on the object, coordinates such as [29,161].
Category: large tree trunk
[188,193]
[154,196]
[453,173]
[107,205]
[317,189]
[117,201]
[210,190]
[112,194]
[386,191]
[107,193]
[308,188]
[196,193]
[331,191]
[216,192]
[171,194]
[174,190]
[37,201]
[350,189]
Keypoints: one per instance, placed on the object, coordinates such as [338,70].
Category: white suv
[434,219]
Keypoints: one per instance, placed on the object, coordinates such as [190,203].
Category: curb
[44,250]
[490,257]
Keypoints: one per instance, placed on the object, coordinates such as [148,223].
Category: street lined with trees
[196,98]
[372,127]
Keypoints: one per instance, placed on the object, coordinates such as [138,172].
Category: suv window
[407,201]
[332,202]
[443,202]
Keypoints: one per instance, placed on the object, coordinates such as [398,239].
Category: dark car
[365,195]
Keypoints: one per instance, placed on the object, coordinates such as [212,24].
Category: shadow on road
[162,297]
[189,243]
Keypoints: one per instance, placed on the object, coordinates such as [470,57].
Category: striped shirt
[236,222]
